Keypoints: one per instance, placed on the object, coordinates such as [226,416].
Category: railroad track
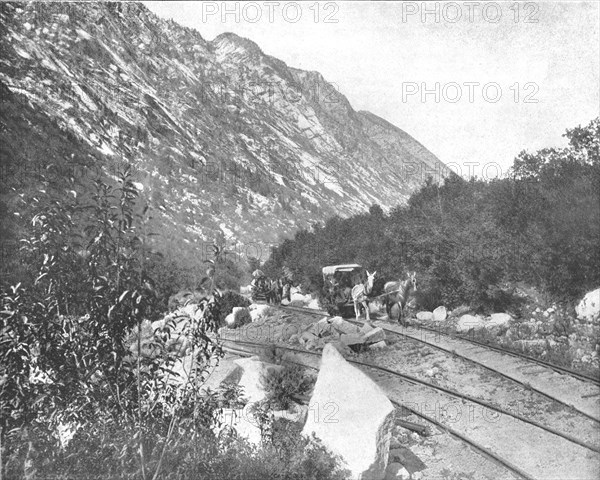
[556,368]
[486,453]
[540,382]
[542,434]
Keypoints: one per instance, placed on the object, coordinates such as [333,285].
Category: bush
[229,300]
[285,385]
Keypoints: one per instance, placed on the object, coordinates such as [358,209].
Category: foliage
[284,385]
[65,354]
[470,240]
[79,352]
[230,300]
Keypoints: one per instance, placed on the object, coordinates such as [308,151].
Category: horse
[359,294]
[275,291]
[286,291]
[397,293]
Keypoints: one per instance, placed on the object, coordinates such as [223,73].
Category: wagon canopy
[348,267]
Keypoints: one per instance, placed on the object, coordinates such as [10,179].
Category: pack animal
[360,294]
[275,292]
[398,293]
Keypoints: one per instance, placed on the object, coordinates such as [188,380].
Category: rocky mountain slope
[224,140]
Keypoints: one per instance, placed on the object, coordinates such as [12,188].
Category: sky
[474,82]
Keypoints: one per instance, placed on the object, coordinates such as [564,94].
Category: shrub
[229,300]
[284,385]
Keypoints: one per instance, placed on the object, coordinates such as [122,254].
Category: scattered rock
[359,429]
[257,311]
[424,316]
[351,339]
[440,314]
[366,328]
[314,304]
[377,346]
[468,322]
[588,308]
[342,326]
[498,320]
[374,336]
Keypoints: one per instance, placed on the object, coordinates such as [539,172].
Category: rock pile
[337,329]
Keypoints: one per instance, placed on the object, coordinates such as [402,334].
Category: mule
[398,293]
[275,291]
[360,293]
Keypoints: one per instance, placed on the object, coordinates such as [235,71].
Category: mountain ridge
[225,140]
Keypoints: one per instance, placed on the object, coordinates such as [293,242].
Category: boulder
[238,317]
[253,369]
[375,335]
[366,328]
[323,328]
[588,308]
[258,311]
[424,316]
[378,346]
[498,320]
[468,322]
[342,326]
[314,304]
[396,471]
[439,314]
[351,415]
[351,339]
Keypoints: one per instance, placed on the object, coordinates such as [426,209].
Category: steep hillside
[225,141]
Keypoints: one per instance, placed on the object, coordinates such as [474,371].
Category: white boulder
[468,322]
[253,369]
[258,311]
[424,316]
[498,320]
[314,304]
[440,314]
[588,308]
[351,415]
[238,317]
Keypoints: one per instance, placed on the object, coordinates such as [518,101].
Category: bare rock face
[589,307]
[352,416]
